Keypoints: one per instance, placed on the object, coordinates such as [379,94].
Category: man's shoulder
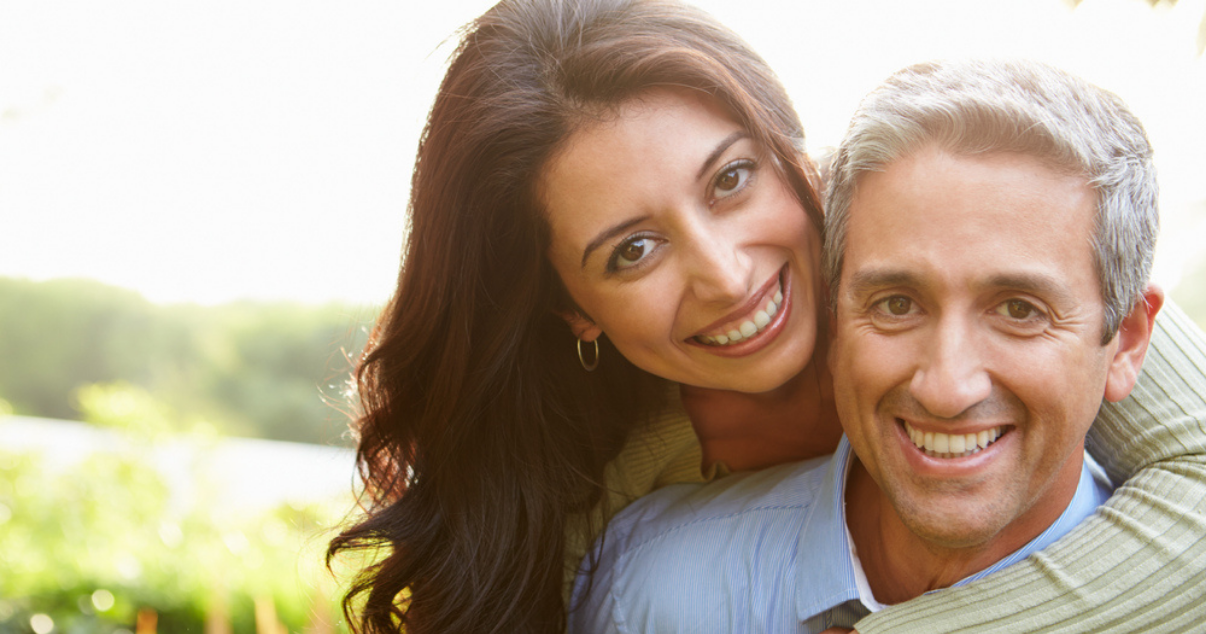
[683,546]
[690,507]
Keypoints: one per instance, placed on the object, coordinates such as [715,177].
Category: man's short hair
[988,106]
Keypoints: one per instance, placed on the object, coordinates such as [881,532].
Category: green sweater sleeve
[1139,563]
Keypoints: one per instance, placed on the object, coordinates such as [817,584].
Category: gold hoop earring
[589,367]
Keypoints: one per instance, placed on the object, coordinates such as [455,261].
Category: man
[989,236]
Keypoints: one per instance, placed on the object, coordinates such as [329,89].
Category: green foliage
[125,407]
[65,333]
[91,543]
[270,370]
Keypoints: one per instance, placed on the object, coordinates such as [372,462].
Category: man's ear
[1133,336]
[583,328]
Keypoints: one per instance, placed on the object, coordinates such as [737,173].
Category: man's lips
[953,445]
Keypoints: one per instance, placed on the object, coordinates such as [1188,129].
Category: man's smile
[944,445]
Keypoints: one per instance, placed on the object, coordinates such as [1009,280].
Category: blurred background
[202,206]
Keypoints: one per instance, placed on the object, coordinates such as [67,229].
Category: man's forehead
[1003,219]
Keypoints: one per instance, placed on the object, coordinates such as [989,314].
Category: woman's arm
[1139,563]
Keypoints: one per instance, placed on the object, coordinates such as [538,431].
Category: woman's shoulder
[664,451]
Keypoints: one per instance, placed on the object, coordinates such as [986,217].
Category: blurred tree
[59,334]
[271,370]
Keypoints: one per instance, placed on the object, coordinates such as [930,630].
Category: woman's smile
[755,324]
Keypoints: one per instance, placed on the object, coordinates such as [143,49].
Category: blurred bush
[95,546]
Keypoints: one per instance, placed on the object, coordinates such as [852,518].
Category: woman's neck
[795,421]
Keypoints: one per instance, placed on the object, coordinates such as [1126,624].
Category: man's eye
[1018,309]
[896,306]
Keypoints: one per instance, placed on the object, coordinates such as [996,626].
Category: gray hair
[974,107]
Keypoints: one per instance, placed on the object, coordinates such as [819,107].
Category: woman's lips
[749,320]
[777,290]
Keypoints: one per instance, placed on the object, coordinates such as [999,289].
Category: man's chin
[950,524]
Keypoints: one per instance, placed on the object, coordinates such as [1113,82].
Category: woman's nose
[719,269]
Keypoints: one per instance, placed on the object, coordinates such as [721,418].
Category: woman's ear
[581,325]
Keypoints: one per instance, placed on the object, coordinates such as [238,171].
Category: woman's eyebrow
[720,148]
[607,234]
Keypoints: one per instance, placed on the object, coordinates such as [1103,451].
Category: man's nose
[951,376]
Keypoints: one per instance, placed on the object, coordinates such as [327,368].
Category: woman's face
[676,236]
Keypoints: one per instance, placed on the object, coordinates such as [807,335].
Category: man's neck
[900,565]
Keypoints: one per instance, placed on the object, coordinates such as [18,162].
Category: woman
[633,169]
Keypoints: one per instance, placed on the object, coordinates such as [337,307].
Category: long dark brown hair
[480,435]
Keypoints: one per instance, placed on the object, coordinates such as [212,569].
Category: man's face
[968,362]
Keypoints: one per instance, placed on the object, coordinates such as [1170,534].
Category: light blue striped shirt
[763,551]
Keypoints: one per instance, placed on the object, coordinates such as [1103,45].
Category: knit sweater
[1138,564]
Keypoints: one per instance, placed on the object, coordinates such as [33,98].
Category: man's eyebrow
[608,234]
[863,282]
[720,148]
[1036,284]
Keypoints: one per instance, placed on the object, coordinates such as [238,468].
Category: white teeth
[958,443]
[748,328]
[940,445]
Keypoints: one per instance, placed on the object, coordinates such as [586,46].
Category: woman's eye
[732,178]
[896,306]
[629,253]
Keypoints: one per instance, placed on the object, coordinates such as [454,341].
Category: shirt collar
[825,574]
[1092,490]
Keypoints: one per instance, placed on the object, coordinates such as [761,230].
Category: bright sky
[230,149]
